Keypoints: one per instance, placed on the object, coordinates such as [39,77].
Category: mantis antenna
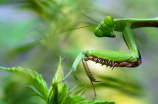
[66,30]
[89,18]
[57,33]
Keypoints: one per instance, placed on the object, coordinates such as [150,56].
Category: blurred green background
[34,33]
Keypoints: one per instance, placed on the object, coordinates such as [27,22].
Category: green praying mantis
[106,28]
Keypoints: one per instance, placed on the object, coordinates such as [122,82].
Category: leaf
[54,95]
[74,99]
[64,93]
[32,77]
[34,91]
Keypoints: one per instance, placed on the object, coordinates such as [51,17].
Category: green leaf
[64,93]
[74,99]
[54,95]
[96,102]
[32,77]
[34,91]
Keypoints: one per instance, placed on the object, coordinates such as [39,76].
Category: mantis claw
[94,91]
[91,77]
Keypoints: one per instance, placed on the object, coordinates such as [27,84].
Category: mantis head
[105,28]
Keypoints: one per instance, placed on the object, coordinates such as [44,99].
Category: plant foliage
[58,93]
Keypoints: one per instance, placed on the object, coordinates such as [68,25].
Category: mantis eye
[98,33]
[109,21]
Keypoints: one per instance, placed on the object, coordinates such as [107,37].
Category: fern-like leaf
[32,77]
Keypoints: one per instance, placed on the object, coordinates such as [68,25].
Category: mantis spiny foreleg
[110,58]
[114,59]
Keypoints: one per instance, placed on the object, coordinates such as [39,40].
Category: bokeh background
[34,33]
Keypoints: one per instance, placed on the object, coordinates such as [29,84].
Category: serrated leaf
[96,102]
[32,77]
[54,95]
[64,93]
[74,99]
[34,91]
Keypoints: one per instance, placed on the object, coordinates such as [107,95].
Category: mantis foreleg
[110,58]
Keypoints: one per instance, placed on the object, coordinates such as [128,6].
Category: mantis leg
[90,76]
[130,42]
[110,58]
[114,59]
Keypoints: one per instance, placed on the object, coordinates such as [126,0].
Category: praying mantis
[107,28]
